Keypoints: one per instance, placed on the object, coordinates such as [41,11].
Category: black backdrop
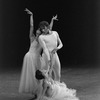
[78,27]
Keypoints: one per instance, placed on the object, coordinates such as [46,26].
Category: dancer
[54,90]
[31,63]
[55,65]
[51,43]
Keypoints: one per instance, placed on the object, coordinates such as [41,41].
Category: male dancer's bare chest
[50,39]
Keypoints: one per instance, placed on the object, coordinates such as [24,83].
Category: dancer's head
[38,32]
[44,27]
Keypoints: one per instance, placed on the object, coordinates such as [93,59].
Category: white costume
[28,81]
[59,91]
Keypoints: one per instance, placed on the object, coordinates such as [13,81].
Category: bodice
[35,47]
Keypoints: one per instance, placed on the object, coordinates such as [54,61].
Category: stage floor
[85,80]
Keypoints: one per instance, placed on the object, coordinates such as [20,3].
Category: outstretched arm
[31,35]
[52,20]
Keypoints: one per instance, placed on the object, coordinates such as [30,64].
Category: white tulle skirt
[61,92]
[28,82]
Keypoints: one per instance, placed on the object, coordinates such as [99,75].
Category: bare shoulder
[55,32]
[41,37]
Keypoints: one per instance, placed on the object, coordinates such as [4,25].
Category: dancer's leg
[56,67]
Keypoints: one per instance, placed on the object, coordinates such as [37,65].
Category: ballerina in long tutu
[31,62]
[55,90]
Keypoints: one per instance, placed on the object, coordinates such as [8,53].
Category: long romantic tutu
[61,92]
[28,81]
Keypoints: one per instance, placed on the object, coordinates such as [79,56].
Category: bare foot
[34,98]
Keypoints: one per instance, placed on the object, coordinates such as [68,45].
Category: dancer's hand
[54,18]
[28,11]
[54,51]
[45,72]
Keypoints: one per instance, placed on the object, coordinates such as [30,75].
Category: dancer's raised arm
[52,20]
[31,35]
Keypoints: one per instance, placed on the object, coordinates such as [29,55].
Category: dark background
[78,27]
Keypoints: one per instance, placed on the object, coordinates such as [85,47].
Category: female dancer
[31,62]
[54,90]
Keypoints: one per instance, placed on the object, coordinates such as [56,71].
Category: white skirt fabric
[61,92]
[28,82]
